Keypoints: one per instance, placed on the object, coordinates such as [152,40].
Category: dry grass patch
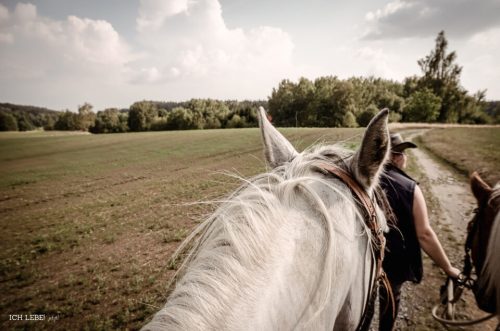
[467,149]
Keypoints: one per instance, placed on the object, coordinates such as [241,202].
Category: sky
[60,54]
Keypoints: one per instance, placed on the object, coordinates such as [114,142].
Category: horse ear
[370,158]
[277,148]
[479,187]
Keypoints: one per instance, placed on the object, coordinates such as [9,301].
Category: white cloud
[72,41]
[482,69]
[4,13]
[423,18]
[182,49]
[191,40]
[6,38]
[374,61]
[489,39]
[95,41]
[153,13]
[25,12]
[64,59]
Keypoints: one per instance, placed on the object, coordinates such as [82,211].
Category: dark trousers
[387,316]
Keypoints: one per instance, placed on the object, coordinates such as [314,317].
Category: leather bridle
[377,274]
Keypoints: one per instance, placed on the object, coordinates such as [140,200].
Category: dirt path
[449,189]
[450,206]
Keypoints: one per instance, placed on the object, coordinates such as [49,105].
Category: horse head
[487,208]
[484,242]
[290,249]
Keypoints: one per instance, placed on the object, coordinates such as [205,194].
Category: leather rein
[464,281]
[377,274]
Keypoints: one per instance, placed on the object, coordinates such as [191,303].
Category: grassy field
[89,221]
[467,149]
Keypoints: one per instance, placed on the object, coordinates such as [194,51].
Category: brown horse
[484,244]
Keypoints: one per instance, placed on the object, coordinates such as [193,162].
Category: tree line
[141,116]
[434,96]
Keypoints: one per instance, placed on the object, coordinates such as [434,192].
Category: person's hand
[453,272]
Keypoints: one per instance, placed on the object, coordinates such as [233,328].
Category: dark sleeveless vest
[403,258]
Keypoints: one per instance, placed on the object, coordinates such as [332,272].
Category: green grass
[89,221]
[467,149]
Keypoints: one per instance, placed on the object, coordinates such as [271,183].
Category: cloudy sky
[62,53]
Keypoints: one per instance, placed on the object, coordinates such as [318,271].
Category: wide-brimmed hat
[398,145]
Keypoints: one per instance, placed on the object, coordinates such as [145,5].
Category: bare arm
[427,237]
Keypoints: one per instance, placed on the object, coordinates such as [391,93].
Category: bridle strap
[378,241]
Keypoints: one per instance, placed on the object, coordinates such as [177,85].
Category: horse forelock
[238,238]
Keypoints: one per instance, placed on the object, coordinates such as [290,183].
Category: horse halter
[465,278]
[378,242]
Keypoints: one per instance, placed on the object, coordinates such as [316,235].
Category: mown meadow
[468,149]
[89,221]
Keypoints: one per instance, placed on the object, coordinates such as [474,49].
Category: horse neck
[488,209]
[298,259]
[487,246]
[489,277]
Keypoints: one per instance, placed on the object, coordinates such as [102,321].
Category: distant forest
[434,96]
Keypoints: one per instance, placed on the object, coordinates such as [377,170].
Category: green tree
[67,121]
[492,109]
[141,115]
[236,122]
[48,121]
[349,120]
[281,104]
[339,101]
[366,116]
[181,119]
[442,76]
[472,109]
[86,117]
[23,121]
[8,122]
[422,106]
[108,121]
[304,93]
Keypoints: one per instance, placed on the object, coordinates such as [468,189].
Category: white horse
[288,250]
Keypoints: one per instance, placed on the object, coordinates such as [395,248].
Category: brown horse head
[485,215]
[488,205]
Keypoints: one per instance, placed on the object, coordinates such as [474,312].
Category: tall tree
[142,115]
[442,76]
[8,122]
[86,117]
[422,106]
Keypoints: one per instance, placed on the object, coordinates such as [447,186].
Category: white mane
[293,212]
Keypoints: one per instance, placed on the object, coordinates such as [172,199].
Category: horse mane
[492,263]
[240,233]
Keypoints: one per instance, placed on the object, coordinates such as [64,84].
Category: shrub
[422,106]
[8,122]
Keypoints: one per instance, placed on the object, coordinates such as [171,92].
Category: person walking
[410,233]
